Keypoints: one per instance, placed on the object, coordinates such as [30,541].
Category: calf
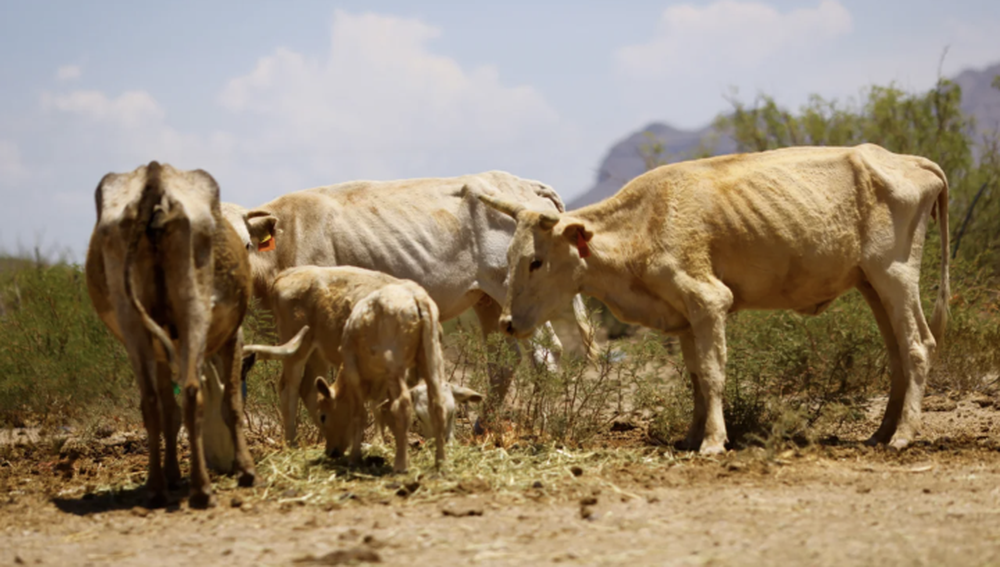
[390,331]
[171,280]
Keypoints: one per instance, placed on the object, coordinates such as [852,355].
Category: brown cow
[170,278]
[681,246]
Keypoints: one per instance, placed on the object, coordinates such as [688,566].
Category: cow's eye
[322,418]
[534,265]
[248,246]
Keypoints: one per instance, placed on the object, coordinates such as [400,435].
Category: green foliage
[58,361]
[929,124]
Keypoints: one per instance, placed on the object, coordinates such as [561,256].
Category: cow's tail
[150,206]
[291,348]
[940,318]
[431,367]
[585,328]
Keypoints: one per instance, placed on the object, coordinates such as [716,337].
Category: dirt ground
[831,503]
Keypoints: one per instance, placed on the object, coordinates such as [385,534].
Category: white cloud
[380,103]
[69,72]
[131,109]
[697,40]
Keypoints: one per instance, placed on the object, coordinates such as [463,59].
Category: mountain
[980,98]
[627,158]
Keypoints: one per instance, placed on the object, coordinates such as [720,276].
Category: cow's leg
[707,305]
[171,418]
[488,311]
[193,328]
[141,355]
[350,387]
[697,431]
[200,495]
[541,356]
[401,402]
[231,356]
[897,391]
[900,293]
[288,392]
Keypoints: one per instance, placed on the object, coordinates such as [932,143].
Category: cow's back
[323,298]
[422,229]
[782,229]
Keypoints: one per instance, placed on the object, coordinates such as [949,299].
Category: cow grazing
[322,299]
[416,229]
[170,278]
[390,331]
[681,246]
[220,452]
[451,394]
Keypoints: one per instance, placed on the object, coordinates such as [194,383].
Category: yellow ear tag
[266,245]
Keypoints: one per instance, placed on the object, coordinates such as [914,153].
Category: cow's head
[545,264]
[336,410]
[256,228]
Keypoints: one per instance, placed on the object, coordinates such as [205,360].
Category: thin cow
[171,280]
[683,245]
[416,229]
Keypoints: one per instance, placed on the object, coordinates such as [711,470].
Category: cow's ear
[579,236]
[323,388]
[261,225]
[463,395]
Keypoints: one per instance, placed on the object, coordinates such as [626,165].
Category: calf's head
[545,265]
[336,410]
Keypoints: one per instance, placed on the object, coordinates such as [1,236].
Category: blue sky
[271,97]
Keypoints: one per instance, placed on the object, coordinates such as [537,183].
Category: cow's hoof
[246,479]
[157,500]
[477,428]
[687,444]
[201,500]
[711,450]
[899,443]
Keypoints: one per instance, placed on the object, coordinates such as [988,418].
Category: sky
[271,97]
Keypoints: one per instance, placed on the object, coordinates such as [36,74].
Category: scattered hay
[305,476]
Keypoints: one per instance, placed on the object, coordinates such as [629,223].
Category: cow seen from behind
[171,280]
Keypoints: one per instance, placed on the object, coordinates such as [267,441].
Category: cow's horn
[506,207]
[547,220]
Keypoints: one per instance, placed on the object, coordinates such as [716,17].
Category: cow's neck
[617,271]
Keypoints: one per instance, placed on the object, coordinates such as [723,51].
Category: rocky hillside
[628,158]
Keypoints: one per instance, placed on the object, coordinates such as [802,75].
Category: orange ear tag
[581,245]
[266,245]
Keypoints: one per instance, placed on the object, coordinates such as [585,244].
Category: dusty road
[835,504]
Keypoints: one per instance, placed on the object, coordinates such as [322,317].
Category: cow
[216,436]
[390,331]
[171,279]
[451,394]
[683,245]
[416,229]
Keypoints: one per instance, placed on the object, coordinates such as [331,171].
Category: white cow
[416,229]
[171,280]
[681,246]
